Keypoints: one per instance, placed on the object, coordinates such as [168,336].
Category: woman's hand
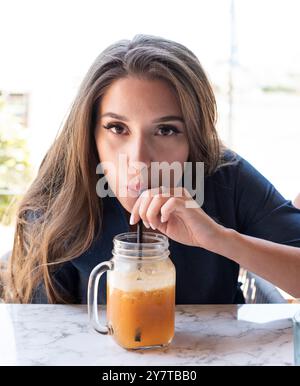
[167,212]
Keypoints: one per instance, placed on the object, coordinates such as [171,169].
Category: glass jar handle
[94,278]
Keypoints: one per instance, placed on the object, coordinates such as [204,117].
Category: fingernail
[152,226]
[131,220]
[162,219]
[146,224]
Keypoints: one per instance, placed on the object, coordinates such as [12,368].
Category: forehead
[132,95]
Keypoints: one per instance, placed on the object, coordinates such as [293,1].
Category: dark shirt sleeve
[65,280]
[261,211]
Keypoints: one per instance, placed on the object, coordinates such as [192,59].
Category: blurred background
[249,49]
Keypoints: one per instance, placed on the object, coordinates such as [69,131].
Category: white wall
[47,46]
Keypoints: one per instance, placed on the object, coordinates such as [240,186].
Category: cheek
[183,153]
[110,148]
[177,152]
[104,147]
[111,154]
[106,157]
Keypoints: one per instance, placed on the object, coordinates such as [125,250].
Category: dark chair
[258,290]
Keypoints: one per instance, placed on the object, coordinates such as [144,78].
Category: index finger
[134,217]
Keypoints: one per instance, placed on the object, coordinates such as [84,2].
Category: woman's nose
[139,152]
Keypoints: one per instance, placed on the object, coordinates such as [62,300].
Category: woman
[149,99]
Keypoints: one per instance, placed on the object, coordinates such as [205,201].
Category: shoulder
[226,173]
[233,168]
[238,180]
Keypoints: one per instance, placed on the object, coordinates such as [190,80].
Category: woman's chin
[127,202]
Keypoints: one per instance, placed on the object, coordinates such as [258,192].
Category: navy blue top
[236,196]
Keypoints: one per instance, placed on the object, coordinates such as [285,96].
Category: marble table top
[204,335]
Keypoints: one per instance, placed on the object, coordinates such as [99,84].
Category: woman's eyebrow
[161,119]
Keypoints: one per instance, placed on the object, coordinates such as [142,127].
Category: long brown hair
[60,214]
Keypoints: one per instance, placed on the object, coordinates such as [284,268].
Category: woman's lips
[134,186]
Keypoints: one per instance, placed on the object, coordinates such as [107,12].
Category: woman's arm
[277,263]
[297,201]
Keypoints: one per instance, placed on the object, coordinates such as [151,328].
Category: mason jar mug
[140,292]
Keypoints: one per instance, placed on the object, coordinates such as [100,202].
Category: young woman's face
[142,121]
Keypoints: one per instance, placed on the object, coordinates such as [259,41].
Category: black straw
[139,233]
[139,239]
[139,236]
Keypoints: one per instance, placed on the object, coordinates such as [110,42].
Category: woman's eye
[167,131]
[114,128]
